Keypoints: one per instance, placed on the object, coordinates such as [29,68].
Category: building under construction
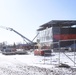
[58,34]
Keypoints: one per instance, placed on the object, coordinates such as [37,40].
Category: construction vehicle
[29,45]
[8,50]
[42,51]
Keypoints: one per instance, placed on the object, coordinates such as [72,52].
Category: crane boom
[11,29]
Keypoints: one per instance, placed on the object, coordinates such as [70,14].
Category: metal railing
[52,59]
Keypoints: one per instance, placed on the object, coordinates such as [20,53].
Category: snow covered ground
[36,65]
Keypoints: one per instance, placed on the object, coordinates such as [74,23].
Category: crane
[25,38]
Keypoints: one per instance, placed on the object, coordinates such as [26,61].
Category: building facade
[58,33]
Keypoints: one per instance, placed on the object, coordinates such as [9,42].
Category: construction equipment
[29,43]
[11,29]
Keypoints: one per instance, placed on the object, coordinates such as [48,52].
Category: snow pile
[22,69]
[34,65]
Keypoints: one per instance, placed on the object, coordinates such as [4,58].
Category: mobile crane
[30,44]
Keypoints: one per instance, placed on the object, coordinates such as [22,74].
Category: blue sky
[26,16]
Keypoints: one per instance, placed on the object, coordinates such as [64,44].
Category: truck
[8,50]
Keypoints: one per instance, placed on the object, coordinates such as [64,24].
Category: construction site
[54,50]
